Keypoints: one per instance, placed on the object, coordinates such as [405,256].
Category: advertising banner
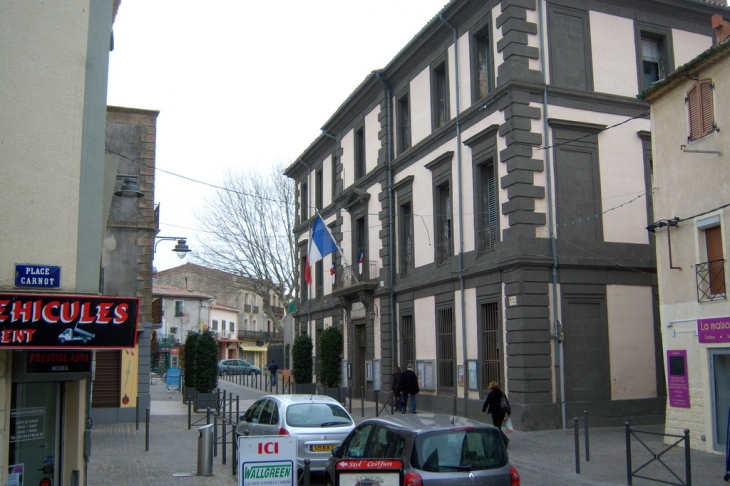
[267,460]
[34,321]
[369,472]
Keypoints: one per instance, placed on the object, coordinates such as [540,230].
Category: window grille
[408,353]
[491,362]
[445,350]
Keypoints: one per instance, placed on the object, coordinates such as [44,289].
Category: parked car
[319,423]
[237,367]
[435,449]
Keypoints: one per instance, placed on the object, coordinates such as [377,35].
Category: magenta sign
[715,330]
[678,381]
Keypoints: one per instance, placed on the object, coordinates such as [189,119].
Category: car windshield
[316,415]
[462,449]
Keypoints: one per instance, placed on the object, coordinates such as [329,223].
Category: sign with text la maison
[50,321]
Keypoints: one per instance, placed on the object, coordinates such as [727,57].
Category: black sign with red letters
[29,321]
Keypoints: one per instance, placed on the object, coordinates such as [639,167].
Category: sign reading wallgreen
[267,460]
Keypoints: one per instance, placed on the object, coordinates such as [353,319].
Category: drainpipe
[556,335]
[461,212]
[309,196]
[391,217]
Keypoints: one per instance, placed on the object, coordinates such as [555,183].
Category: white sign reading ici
[267,460]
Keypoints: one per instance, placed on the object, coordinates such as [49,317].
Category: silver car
[435,449]
[319,423]
[237,367]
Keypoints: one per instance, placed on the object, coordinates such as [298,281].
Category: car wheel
[61,340]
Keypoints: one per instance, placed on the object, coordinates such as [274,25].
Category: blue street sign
[37,276]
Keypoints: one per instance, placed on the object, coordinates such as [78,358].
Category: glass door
[720,373]
[34,432]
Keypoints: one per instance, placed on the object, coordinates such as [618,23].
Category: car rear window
[469,449]
[317,415]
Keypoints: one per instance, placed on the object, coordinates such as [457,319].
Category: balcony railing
[443,252]
[255,309]
[711,281]
[278,311]
[260,335]
[247,308]
[486,241]
[167,340]
[347,276]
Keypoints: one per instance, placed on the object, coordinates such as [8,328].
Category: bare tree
[249,227]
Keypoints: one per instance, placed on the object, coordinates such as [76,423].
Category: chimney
[722,28]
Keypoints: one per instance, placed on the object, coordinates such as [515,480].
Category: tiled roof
[162,290]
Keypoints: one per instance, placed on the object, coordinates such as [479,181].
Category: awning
[232,346]
[256,349]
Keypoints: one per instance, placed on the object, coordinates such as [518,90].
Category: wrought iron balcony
[260,335]
[278,311]
[349,276]
[167,340]
[711,281]
[247,308]
[444,250]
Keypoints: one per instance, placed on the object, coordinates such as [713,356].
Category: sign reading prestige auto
[33,321]
[267,460]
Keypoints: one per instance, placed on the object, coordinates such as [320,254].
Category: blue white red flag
[332,272]
[321,244]
[360,257]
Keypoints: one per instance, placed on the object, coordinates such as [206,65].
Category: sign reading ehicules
[29,321]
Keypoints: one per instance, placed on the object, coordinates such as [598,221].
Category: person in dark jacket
[273,368]
[409,388]
[396,388]
[492,404]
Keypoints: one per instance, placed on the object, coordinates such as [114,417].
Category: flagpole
[339,250]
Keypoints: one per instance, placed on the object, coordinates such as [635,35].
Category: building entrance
[35,410]
[720,375]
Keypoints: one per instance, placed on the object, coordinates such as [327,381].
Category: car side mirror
[241,418]
[337,452]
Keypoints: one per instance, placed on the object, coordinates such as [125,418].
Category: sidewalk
[542,458]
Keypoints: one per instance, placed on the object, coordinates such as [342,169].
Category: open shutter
[107,382]
[708,115]
[693,109]
[715,257]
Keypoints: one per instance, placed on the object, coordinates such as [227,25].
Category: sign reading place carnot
[32,321]
[37,276]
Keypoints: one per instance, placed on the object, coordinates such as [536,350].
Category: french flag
[360,257]
[332,272]
[321,244]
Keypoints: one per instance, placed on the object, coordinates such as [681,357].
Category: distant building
[690,146]
[489,189]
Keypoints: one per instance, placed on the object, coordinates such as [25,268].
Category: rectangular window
[360,169]
[490,346]
[653,53]
[715,260]
[444,244]
[335,163]
[232,326]
[318,188]
[304,201]
[408,353]
[700,109]
[179,308]
[319,279]
[487,219]
[404,123]
[215,325]
[568,30]
[360,248]
[303,286]
[483,76]
[406,239]
[651,60]
[445,350]
[440,95]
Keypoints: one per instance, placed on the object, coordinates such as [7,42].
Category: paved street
[542,458]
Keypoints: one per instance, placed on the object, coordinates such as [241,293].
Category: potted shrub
[201,358]
[302,364]
[188,365]
[331,346]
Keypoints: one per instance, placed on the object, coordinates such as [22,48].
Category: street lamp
[129,187]
[181,248]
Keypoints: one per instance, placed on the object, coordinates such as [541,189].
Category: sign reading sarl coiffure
[29,321]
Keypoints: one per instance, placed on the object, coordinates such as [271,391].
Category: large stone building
[489,189]
[690,224]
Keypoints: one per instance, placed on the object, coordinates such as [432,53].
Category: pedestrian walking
[396,388]
[493,406]
[409,388]
[273,368]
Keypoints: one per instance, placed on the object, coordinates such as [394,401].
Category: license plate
[323,448]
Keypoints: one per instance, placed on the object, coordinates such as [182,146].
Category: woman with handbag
[493,405]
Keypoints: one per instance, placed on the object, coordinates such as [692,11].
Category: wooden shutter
[107,386]
[715,257]
[700,108]
[708,115]
[693,107]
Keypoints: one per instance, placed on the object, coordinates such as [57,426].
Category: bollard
[136,413]
[215,434]
[362,400]
[306,472]
[585,426]
[455,405]
[147,430]
[190,415]
[687,465]
[577,445]
[377,405]
[205,451]
[628,454]
[225,438]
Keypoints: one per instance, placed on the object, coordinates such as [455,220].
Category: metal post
[147,430]
[306,472]
[455,404]
[349,392]
[362,400]
[585,426]
[190,404]
[628,454]
[377,405]
[687,463]
[215,435]
[136,413]
[576,426]
[235,439]
[224,433]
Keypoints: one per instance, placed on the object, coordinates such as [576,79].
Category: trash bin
[205,451]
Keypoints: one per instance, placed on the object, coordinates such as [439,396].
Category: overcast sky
[242,84]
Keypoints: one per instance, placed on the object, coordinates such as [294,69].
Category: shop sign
[371,472]
[58,362]
[32,321]
[267,460]
[37,276]
[27,423]
[678,379]
[715,330]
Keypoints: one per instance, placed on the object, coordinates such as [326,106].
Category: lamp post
[182,248]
